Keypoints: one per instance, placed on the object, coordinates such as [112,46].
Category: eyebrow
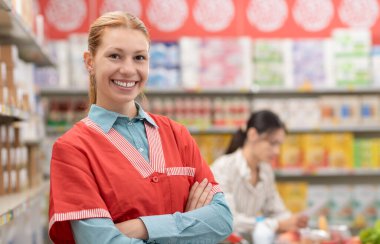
[122,50]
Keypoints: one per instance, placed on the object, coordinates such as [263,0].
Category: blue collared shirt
[208,224]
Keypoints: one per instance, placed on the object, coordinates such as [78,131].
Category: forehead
[277,134]
[119,37]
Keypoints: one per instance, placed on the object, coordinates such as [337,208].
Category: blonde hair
[110,20]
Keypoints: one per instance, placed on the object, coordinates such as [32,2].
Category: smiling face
[120,67]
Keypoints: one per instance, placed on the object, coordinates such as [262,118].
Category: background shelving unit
[13,30]
[14,205]
[23,206]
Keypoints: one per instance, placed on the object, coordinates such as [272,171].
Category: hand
[293,223]
[302,220]
[200,195]
[134,228]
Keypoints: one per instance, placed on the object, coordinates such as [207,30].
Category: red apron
[101,175]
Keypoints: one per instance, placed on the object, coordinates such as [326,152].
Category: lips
[124,84]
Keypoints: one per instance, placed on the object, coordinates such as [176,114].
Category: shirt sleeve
[211,224]
[274,209]
[204,223]
[99,230]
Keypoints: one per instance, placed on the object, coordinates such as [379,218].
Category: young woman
[122,175]
[247,178]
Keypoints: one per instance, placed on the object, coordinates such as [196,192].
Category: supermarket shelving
[330,176]
[8,114]
[13,30]
[51,92]
[13,205]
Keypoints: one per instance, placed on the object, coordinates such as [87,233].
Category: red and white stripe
[155,148]
[82,214]
[216,189]
[130,152]
[188,171]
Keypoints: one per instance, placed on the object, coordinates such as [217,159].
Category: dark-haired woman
[247,179]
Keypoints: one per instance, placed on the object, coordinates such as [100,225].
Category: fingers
[200,195]
[206,194]
[197,193]
[191,195]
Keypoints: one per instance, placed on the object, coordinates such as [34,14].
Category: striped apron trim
[82,214]
[137,160]
[188,171]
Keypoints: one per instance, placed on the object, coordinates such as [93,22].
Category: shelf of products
[13,205]
[254,92]
[22,191]
[8,114]
[13,30]
[327,172]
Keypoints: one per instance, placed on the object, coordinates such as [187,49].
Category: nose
[127,67]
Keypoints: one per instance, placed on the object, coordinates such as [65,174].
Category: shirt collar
[245,170]
[107,118]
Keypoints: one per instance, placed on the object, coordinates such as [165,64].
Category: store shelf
[327,172]
[53,92]
[196,131]
[337,129]
[316,91]
[62,92]
[8,114]
[13,205]
[330,176]
[13,30]
[253,92]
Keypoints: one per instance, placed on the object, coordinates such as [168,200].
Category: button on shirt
[161,228]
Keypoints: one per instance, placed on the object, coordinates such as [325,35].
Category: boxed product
[315,151]
[341,209]
[348,111]
[352,57]
[271,63]
[366,153]
[291,152]
[310,66]
[329,107]
[370,110]
[340,146]
[364,205]
[294,195]
[204,64]
[164,66]
[317,203]
[303,113]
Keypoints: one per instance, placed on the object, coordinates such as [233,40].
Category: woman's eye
[114,56]
[140,57]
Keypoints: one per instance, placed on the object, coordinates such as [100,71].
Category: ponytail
[237,141]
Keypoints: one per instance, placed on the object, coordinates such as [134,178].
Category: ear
[252,134]
[88,61]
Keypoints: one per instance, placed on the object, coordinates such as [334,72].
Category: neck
[252,160]
[128,109]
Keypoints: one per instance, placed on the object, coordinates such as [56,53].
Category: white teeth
[124,84]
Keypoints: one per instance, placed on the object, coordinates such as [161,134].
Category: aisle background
[314,62]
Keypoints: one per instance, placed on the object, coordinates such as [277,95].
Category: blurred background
[316,63]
